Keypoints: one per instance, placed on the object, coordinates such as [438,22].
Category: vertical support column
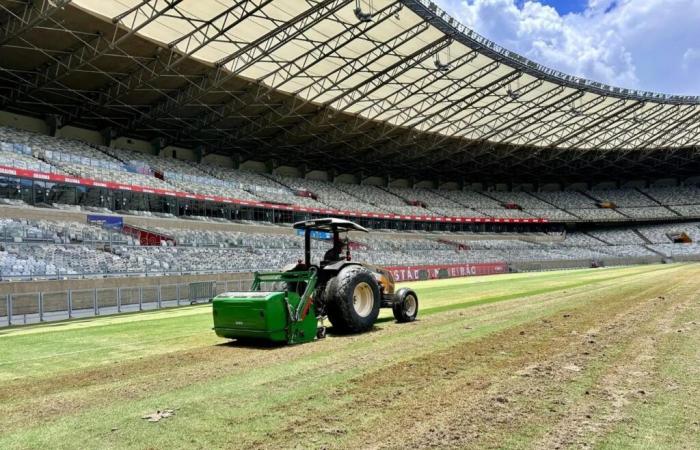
[141,298]
[177,293]
[160,305]
[119,299]
[96,309]
[8,300]
[41,306]
[70,303]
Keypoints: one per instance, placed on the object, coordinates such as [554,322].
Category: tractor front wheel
[354,300]
[406,307]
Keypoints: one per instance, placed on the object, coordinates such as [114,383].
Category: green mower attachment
[286,315]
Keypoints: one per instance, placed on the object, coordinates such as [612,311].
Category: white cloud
[642,44]
[691,58]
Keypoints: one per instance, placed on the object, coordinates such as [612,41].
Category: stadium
[155,154]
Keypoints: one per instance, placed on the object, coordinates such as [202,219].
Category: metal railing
[38,307]
[82,275]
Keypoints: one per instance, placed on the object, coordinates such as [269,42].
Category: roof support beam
[563,122]
[240,60]
[683,139]
[182,49]
[292,69]
[33,13]
[626,132]
[436,118]
[613,115]
[377,111]
[593,135]
[494,120]
[489,110]
[662,137]
[465,121]
[401,120]
[675,113]
[89,51]
[518,125]
[350,95]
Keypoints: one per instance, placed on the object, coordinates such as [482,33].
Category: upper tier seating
[328,195]
[26,162]
[37,152]
[649,212]
[598,214]
[687,210]
[472,199]
[522,199]
[659,234]
[622,197]
[567,199]
[114,176]
[675,195]
[617,236]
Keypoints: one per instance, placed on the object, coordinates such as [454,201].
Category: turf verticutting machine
[346,292]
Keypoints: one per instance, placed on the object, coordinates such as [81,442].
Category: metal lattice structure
[368,86]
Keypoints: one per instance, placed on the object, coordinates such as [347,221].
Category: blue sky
[642,44]
[563,6]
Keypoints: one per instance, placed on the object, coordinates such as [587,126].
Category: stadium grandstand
[181,137]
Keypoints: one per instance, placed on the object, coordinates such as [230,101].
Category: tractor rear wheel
[353,300]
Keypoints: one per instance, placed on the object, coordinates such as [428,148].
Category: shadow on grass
[261,344]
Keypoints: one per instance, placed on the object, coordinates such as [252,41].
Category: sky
[651,45]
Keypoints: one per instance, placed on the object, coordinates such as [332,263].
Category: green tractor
[348,293]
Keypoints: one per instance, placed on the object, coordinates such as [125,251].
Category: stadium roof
[373,86]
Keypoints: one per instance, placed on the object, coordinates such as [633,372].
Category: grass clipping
[159,415]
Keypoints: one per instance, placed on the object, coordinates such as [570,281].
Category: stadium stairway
[642,237]
[534,194]
[651,249]
[597,238]
[597,201]
[657,202]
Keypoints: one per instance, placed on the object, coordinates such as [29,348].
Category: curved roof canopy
[376,85]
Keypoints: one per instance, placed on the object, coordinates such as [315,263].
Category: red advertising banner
[434,272]
[23,173]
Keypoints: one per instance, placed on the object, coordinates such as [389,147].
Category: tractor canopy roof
[329,224]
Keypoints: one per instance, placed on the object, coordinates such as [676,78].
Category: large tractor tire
[353,300]
[406,307]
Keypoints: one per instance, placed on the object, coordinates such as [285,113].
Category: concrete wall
[374,181]
[634,184]
[9,119]
[347,178]
[400,183]
[288,171]
[182,153]
[91,136]
[136,145]
[318,175]
[425,184]
[254,166]
[218,160]
[450,186]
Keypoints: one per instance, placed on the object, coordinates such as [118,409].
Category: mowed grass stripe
[152,333]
